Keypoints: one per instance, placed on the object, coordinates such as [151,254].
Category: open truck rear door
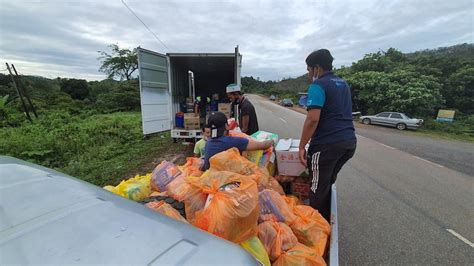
[238,65]
[155,92]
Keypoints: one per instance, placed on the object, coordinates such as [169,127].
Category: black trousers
[324,163]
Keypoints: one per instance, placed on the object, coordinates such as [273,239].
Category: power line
[123,2]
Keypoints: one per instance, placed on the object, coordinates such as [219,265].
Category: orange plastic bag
[273,207]
[193,205]
[192,167]
[239,134]
[273,184]
[188,190]
[292,201]
[231,211]
[162,175]
[166,209]
[299,255]
[314,215]
[311,228]
[231,160]
[276,237]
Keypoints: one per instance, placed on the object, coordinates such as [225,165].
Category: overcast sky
[61,38]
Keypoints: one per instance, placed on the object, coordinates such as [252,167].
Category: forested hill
[418,83]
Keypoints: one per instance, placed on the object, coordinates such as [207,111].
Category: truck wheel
[366,121]
[179,206]
[175,140]
[401,126]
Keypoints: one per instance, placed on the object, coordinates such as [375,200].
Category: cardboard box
[191,121]
[288,161]
[224,107]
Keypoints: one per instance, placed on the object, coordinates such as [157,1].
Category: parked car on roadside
[287,102]
[399,120]
[272,98]
[356,115]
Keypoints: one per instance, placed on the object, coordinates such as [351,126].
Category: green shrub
[100,149]
[462,126]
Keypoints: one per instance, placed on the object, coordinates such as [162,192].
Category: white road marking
[390,147]
[282,120]
[460,237]
[440,166]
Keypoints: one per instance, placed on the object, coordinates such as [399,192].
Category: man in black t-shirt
[245,111]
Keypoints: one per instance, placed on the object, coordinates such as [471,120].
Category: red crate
[300,186]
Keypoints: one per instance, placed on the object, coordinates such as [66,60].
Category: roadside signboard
[445,115]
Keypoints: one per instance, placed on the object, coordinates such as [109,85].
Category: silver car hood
[49,218]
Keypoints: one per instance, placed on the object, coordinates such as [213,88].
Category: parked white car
[399,120]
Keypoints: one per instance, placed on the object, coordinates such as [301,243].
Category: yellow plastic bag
[255,156]
[231,210]
[299,255]
[255,247]
[166,209]
[311,228]
[276,238]
[135,188]
[110,188]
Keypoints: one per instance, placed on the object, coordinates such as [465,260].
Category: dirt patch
[175,153]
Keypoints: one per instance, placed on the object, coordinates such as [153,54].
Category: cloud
[61,38]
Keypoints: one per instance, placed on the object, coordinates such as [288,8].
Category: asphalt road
[393,207]
[456,155]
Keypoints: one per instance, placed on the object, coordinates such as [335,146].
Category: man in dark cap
[219,141]
[328,128]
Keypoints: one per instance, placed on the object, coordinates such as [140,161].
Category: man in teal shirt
[328,128]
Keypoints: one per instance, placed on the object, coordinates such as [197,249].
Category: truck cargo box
[168,80]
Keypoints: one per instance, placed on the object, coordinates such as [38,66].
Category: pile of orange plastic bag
[239,201]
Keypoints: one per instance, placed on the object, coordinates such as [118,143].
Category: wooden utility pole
[23,90]
[19,94]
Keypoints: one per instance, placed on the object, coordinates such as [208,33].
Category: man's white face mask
[316,76]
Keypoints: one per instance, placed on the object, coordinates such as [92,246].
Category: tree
[400,91]
[459,91]
[77,88]
[123,96]
[121,63]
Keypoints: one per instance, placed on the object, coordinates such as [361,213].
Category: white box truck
[167,80]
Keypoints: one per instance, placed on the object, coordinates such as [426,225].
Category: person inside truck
[201,107]
[201,144]
[328,128]
[246,112]
[220,141]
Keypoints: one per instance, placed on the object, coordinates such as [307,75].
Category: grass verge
[101,149]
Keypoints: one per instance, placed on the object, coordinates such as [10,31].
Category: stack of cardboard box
[289,166]
[191,121]
[189,105]
[224,108]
